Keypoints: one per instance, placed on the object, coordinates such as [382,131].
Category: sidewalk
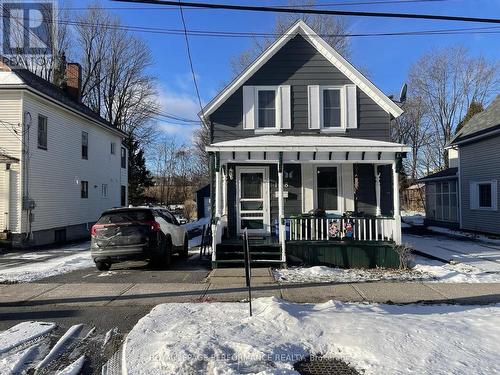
[228,285]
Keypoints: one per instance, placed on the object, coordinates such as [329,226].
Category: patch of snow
[107,274]
[423,269]
[23,333]
[197,224]
[50,267]
[178,338]
[58,348]
[74,368]
[16,362]
[413,217]
[108,336]
[467,235]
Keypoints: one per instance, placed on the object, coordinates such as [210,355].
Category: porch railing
[325,229]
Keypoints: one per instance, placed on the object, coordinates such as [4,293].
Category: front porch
[338,196]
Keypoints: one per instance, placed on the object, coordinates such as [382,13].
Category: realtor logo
[28,27]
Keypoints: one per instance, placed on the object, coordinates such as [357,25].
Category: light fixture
[231,173]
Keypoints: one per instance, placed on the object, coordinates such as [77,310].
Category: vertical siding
[479,161]
[10,143]
[55,173]
[299,64]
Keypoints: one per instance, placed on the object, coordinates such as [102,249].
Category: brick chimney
[74,81]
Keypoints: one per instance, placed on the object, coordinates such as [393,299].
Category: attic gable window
[332,110]
[266,104]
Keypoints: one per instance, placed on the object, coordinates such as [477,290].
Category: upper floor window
[113,148]
[331,108]
[123,157]
[85,145]
[84,189]
[42,132]
[266,108]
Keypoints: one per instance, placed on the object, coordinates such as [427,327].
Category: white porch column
[218,188]
[281,208]
[224,190]
[377,190]
[397,213]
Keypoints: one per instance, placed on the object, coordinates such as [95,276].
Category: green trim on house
[345,254]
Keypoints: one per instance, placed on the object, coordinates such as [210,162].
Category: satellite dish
[402,94]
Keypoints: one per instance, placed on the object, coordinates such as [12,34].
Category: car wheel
[184,253]
[103,266]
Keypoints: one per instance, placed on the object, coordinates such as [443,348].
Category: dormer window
[266,108]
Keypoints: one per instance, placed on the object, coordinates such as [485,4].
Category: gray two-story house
[303,159]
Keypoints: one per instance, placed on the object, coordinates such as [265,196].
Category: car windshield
[125,216]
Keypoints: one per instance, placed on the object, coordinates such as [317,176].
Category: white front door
[253,200]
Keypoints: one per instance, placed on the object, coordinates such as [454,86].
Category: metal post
[248,271]
[281,208]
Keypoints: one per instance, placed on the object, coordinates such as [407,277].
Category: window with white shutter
[266,109]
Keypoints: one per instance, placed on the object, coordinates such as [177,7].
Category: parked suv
[138,233]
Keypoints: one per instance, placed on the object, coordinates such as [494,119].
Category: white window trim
[343,107]
[340,190]
[474,195]
[277,105]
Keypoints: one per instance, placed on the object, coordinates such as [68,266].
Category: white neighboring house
[61,164]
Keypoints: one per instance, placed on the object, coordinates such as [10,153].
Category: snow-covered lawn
[423,270]
[220,338]
[44,263]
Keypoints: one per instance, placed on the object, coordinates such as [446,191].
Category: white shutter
[351,106]
[314,106]
[248,107]
[286,115]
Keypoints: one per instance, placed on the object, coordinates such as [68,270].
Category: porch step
[254,263]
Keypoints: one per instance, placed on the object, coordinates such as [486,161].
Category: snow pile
[220,338]
[412,217]
[423,270]
[320,274]
[23,333]
[51,267]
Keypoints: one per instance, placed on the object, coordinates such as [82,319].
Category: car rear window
[125,217]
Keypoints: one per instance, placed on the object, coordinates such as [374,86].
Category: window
[113,148]
[483,195]
[85,145]
[266,105]
[124,157]
[104,190]
[123,196]
[327,188]
[442,201]
[331,108]
[42,132]
[84,189]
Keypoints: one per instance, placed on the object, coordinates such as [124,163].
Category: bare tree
[115,80]
[448,81]
[333,29]
[413,129]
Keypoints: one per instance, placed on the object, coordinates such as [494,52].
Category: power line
[315,11]
[191,60]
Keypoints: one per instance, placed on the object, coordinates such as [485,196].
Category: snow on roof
[283,143]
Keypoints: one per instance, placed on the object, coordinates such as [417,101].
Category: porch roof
[7,159]
[306,143]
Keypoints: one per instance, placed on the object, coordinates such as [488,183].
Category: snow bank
[50,267]
[424,270]
[220,338]
[23,333]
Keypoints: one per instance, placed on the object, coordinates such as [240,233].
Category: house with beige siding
[61,164]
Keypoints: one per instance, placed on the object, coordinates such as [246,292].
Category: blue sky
[387,59]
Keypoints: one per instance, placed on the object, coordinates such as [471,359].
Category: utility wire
[188,49]
[315,11]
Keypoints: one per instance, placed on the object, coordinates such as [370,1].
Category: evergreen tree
[474,108]
[139,178]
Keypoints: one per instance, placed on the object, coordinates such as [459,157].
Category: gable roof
[481,123]
[300,27]
[25,77]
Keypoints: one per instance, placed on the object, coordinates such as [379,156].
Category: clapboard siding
[55,174]
[10,144]
[298,64]
[479,161]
